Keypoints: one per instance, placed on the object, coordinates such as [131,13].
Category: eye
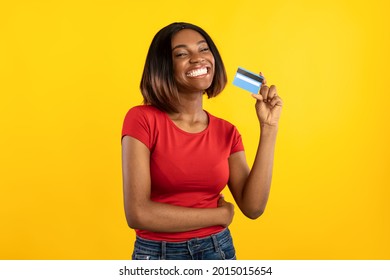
[180,54]
[204,49]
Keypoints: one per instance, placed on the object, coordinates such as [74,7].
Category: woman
[177,158]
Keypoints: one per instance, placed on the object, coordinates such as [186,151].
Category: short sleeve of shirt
[237,144]
[137,125]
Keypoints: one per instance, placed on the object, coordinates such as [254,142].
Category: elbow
[132,221]
[134,218]
[254,214]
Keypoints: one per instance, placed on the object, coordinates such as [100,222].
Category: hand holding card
[269,104]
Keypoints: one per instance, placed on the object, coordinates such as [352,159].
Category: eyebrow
[185,46]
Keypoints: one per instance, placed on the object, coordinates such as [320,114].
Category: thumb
[257,96]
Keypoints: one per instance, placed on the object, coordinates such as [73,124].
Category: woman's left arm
[251,187]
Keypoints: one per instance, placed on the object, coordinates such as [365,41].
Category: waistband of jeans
[225,233]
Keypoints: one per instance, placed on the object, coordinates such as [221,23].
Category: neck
[190,117]
[190,108]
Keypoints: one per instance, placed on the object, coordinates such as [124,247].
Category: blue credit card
[248,80]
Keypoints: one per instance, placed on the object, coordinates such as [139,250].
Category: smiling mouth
[197,72]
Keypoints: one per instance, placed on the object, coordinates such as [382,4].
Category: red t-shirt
[186,169]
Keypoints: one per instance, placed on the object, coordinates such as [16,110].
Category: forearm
[257,186]
[161,217]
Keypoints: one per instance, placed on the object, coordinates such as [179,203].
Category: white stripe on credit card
[246,79]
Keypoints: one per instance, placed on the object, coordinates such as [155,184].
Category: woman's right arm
[143,213]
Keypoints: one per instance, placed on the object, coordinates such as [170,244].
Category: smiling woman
[177,158]
[158,85]
[193,62]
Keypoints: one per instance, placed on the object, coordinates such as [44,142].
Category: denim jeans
[214,247]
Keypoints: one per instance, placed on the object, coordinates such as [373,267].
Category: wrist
[224,217]
[271,128]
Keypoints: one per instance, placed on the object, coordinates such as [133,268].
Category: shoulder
[141,122]
[142,115]
[143,110]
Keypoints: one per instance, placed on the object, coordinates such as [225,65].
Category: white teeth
[197,72]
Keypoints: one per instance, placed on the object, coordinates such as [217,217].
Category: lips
[197,72]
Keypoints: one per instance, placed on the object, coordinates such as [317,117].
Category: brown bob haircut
[158,86]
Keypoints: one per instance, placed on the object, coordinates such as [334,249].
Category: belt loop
[215,242]
[163,250]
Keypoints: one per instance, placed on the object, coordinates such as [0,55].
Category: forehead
[186,37]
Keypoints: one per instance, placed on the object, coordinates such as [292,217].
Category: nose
[196,58]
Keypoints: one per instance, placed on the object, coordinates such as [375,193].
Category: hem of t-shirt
[154,238]
[238,150]
[137,138]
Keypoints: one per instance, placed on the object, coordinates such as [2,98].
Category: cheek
[212,61]
[211,57]
[178,69]
[176,73]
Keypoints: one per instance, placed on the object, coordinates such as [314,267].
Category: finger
[272,92]
[264,92]
[264,82]
[221,199]
[220,202]
[257,96]
[264,79]
[276,101]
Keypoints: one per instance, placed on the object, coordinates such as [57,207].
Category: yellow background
[70,70]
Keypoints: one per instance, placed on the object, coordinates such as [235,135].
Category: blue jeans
[214,247]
